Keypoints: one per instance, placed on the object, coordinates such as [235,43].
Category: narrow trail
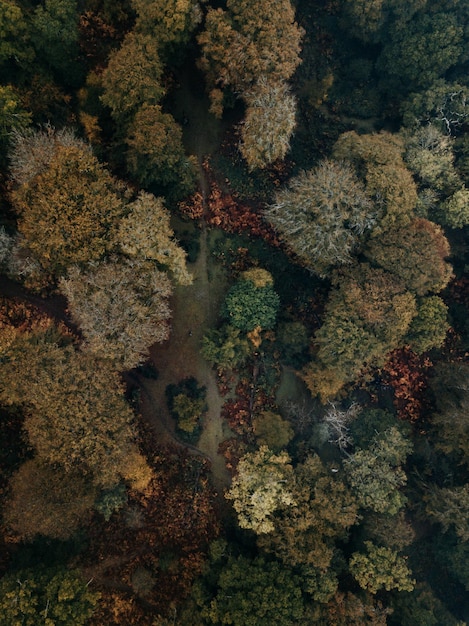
[195,310]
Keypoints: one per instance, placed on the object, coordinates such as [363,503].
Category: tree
[415,254]
[375,474]
[170,22]
[443,104]
[66,200]
[268,125]
[145,233]
[455,211]
[348,609]
[248,305]
[378,161]
[429,327]
[380,568]
[272,430]
[364,19]
[259,489]
[55,35]
[246,41]
[367,314]
[338,421]
[46,500]
[255,593]
[449,506]
[14,28]
[77,416]
[429,154]
[155,152]
[13,117]
[226,348]
[322,215]
[451,420]
[121,306]
[324,509]
[133,76]
[423,50]
[53,596]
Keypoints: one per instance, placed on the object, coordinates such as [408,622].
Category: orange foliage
[222,210]
[232,450]
[407,374]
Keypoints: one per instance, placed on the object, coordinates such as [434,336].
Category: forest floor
[195,310]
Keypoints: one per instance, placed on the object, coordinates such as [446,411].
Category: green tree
[322,215]
[121,306]
[13,117]
[248,306]
[429,327]
[375,474]
[451,419]
[15,37]
[416,254]
[133,76]
[255,593]
[46,500]
[449,506]
[225,348]
[380,568]
[268,125]
[55,35]
[155,152]
[247,41]
[455,210]
[421,606]
[259,489]
[324,509]
[49,596]
[421,50]
[443,104]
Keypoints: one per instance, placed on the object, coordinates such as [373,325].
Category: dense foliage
[233,312]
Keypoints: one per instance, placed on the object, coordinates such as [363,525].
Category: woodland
[234,293]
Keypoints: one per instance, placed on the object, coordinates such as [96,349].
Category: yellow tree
[46,500]
[76,413]
[269,123]
[133,76]
[246,41]
[259,489]
[145,233]
[66,201]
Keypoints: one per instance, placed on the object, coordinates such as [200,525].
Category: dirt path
[195,309]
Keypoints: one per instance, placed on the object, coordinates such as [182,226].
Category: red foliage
[237,414]
[165,532]
[222,210]
[407,374]
[232,450]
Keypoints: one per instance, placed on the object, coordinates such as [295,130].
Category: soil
[195,311]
